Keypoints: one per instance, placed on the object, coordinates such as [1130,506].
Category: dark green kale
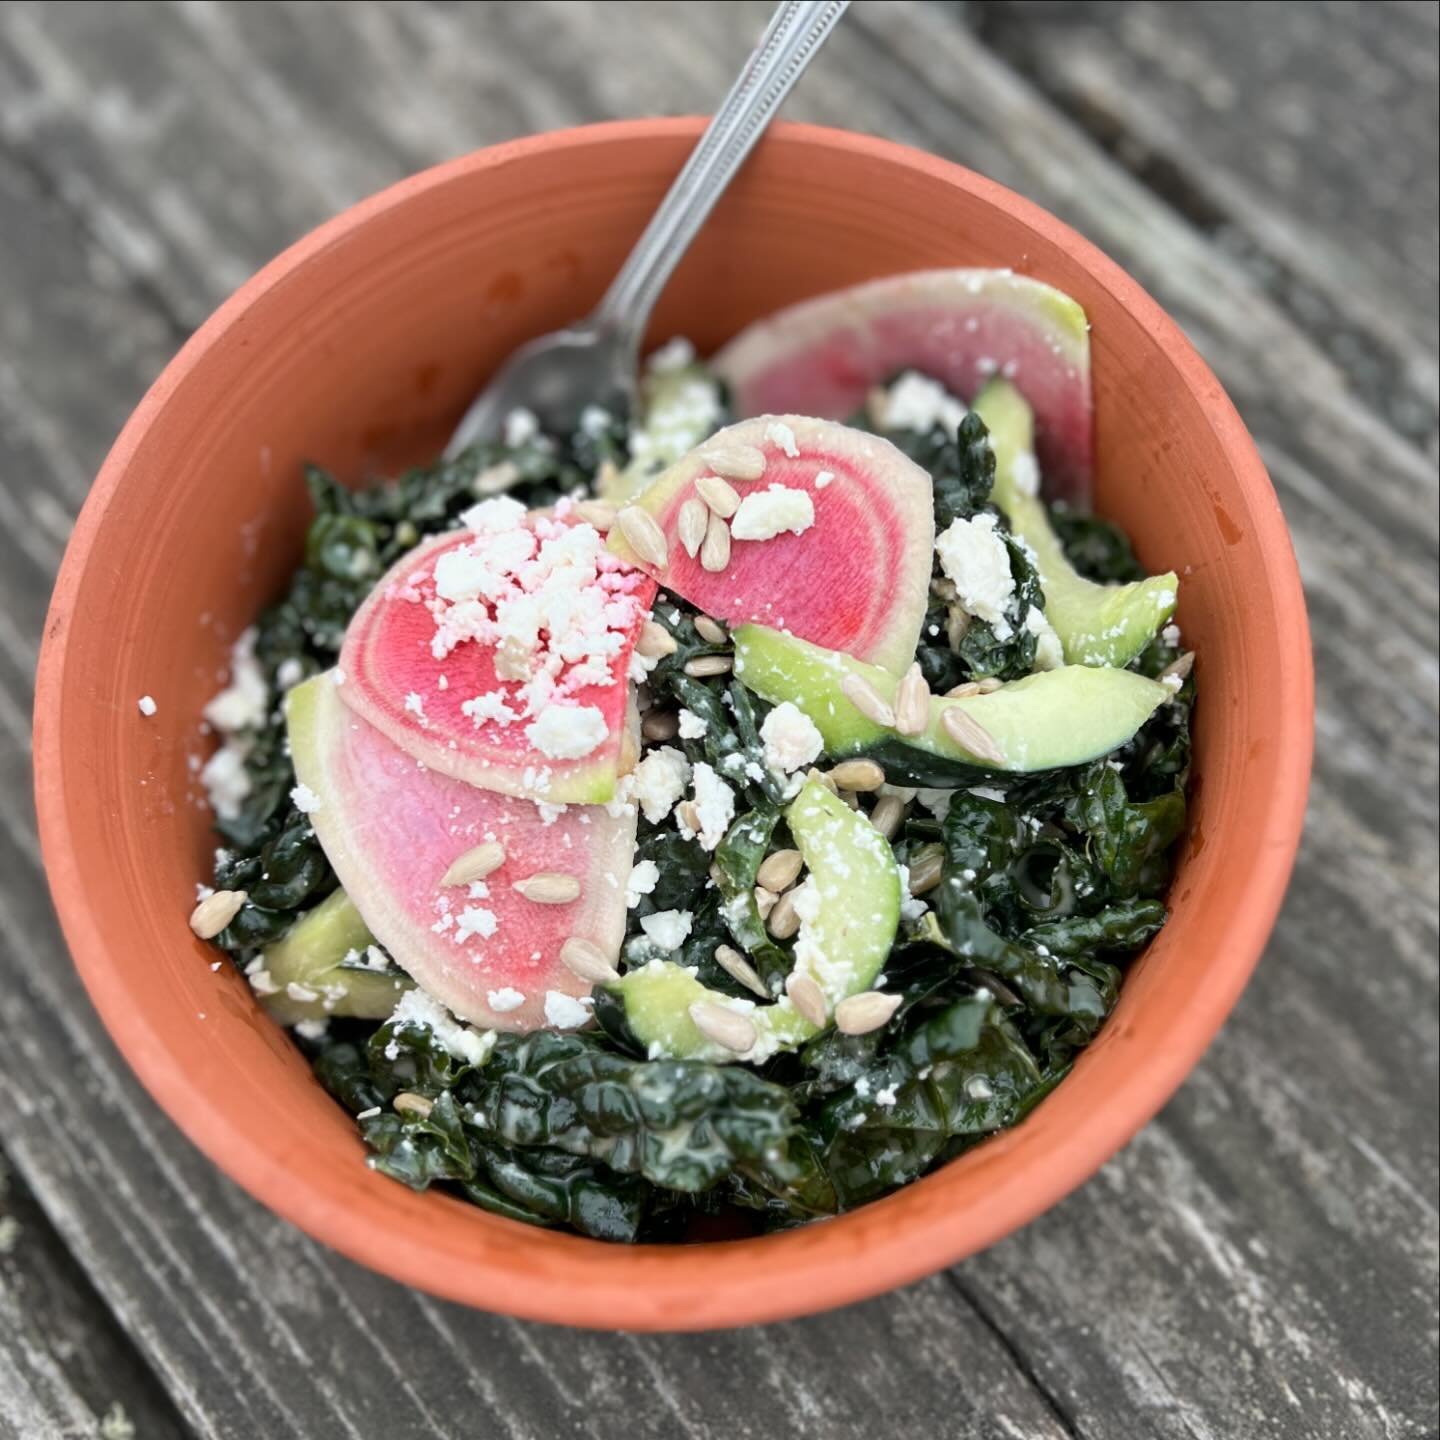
[1099,550]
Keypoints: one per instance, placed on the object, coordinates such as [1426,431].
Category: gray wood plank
[1261,1261]
[65,1367]
[1301,136]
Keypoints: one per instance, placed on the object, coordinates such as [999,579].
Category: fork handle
[796,31]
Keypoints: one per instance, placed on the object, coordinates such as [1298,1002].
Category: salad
[713,820]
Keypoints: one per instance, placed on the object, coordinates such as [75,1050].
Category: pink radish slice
[426,705]
[960,327]
[393,828]
[856,580]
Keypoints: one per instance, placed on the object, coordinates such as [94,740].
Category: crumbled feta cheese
[1025,472]
[564,1011]
[791,740]
[521,427]
[417,1008]
[289,673]
[369,1114]
[886,1097]
[245,702]
[312,1029]
[474,920]
[763,514]
[644,877]
[504,1000]
[916,402]
[305,800]
[669,929]
[807,902]
[1171,634]
[974,557]
[824,478]
[595,420]
[146,705]
[226,780]
[778,433]
[494,516]
[692,727]
[674,355]
[660,780]
[566,732]
[714,804]
[1049,652]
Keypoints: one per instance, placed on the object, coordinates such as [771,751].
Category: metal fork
[595,361]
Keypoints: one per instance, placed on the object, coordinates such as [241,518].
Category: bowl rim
[709,1285]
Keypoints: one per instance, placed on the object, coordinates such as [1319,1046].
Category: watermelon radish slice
[500,656]
[853,573]
[393,829]
[821,357]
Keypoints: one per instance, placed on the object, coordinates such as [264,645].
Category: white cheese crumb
[494,516]
[692,727]
[660,780]
[564,1011]
[669,929]
[312,1029]
[916,402]
[474,920]
[675,354]
[974,557]
[521,427]
[644,877]
[886,1097]
[763,514]
[305,800]
[823,478]
[782,435]
[369,1114]
[566,732]
[595,420]
[146,705]
[504,1000]
[244,703]
[1049,652]
[791,740]
[1171,634]
[415,1007]
[289,673]
[714,804]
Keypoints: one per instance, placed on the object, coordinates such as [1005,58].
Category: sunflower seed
[944,589]
[606,476]
[629,750]
[926,870]
[587,960]
[877,405]
[216,911]
[720,495]
[867,700]
[691,525]
[912,703]
[960,692]
[858,775]
[475,864]
[689,815]
[765,901]
[704,666]
[887,815]
[710,631]
[407,1102]
[549,887]
[989,685]
[1180,668]
[599,513]
[737,967]
[735,462]
[660,725]
[645,537]
[780,871]
[655,641]
[957,624]
[807,997]
[969,734]
[821,778]
[783,920]
[715,552]
[723,1025]
[860,1014]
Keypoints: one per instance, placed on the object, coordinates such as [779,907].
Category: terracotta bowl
[358,348]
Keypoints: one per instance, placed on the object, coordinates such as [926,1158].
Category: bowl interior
[357,349]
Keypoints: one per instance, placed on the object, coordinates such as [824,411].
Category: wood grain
[1263,1259]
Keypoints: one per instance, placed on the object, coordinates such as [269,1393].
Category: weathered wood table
[1261,1262]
